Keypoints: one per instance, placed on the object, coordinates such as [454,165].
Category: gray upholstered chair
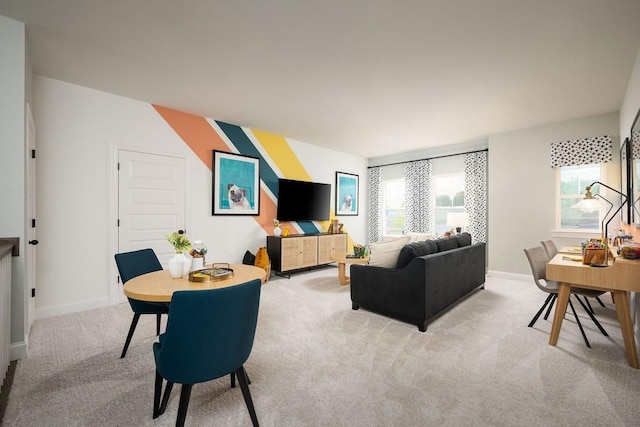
[551,249]
[538,260]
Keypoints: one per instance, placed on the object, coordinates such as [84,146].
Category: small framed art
[347,194]
[236,184]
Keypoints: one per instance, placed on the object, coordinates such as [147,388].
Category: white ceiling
[368,77]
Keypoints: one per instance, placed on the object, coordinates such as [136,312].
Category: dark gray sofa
[430,276]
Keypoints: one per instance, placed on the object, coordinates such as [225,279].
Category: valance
[597,149]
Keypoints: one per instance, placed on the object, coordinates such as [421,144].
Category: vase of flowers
[180,264]
[277,231]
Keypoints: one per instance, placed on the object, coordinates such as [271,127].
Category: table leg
[624,317]
[342,274]
[561,308]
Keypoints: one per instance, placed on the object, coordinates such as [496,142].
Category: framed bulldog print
[236,184]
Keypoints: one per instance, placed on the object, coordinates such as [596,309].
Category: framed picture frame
[236,184]
[347,194]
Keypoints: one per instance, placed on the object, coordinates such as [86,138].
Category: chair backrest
[538,260]
[550,248]
[209,333]
[135,263]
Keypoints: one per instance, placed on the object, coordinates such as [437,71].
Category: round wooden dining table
[159,286]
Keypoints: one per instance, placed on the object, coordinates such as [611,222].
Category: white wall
[77,130]
[522,186]
[13,84]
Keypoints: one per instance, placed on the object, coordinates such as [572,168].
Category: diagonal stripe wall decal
[277,159]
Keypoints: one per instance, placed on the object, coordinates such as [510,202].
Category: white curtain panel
[418,212]
[475,194]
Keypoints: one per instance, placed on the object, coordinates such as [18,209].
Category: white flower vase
[277,231]
[179,266]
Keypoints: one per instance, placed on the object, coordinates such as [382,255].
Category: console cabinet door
[331,244]
[298,252]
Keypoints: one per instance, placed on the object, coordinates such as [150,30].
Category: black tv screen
[303,201]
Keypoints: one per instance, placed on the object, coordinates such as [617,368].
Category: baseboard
[43,313]
[18,350]
[510,276]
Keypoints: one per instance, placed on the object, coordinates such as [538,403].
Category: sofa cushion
[464,239]
[385,254]
[446,243]
[413,250]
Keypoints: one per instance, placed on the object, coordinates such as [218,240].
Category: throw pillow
[419,237]
[385,254]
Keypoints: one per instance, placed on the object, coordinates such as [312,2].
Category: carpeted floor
[316,362]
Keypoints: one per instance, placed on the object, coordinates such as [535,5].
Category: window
[449,194]
[393,206]
[572,181]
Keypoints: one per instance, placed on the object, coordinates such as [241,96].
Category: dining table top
[159,286]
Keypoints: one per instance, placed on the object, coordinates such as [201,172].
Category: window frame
[558,231]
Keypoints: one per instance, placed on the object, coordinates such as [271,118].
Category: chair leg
[586,300]
[158,324]
[594,319]
[600,301]
[244,386]
[233,379]
[185,394]
[132,328]
[535,318]
[578,322]
[553,300]
[158,407]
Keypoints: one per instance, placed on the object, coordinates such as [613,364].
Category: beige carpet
[316,362]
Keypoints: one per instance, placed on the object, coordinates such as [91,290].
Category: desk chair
[551,249]
[134,264]
[209,335]
[538,261]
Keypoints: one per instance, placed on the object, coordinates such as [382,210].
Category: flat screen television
[303,200]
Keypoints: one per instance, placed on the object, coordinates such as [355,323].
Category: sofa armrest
[395,291]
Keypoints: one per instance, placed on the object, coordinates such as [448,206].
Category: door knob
[33,242]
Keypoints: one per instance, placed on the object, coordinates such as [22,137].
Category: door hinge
[33,223]
[118,223]
[118,166]
[118,279]
[33,292]
[33,154]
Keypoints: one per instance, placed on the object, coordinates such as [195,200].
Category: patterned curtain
[598,149]
[418,212]
[376,207]
[475,194]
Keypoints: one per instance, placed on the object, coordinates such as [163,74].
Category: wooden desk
[342,261]
[159,286]
[622,276]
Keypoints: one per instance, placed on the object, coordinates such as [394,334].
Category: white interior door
[30,267]
[152,192]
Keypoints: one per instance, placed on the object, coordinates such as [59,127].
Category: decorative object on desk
[589,203]
[198,252]
[277,231]
[285,232]
[180,264]
[458,220]
[335,226]
[630,251]
[263,261]
[347,194]
[236,184]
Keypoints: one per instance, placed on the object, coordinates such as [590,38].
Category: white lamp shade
[458,219]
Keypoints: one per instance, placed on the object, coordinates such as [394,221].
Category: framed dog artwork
[347,195]
[236,184]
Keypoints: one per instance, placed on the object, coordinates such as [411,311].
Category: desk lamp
[588,204]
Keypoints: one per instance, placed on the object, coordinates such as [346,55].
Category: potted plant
[180,264]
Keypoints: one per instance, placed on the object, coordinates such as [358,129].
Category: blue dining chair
[134,264]
[209,335]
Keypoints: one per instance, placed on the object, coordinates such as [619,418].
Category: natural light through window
[572,183]
[394,206]
[449,197]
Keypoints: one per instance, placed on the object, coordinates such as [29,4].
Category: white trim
[576,234]
[509,276]
[71,308]
[18,350]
